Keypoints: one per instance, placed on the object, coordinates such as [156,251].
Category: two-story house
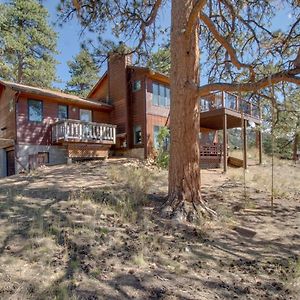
[121,116]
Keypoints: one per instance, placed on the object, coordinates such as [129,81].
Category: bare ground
[91,231]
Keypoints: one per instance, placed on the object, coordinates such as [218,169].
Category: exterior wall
[2,163]
[101,92]
[131,153]
[57,154]
[39,133]
[156,116]
[7,113]
[117,84]
[137,107]
[81,150]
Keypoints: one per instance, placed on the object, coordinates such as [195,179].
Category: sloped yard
[92,231]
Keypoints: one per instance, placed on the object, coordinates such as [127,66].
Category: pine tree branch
[194,15]
[288,76]
[226,44]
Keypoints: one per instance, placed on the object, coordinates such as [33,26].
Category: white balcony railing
[79,131]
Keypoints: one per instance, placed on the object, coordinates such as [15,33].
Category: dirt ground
[92,231]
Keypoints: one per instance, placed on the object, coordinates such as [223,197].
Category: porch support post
[225,142]
[259,146]
[245,144]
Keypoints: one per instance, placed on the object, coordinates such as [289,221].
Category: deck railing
[211,149]
[230,101]
[79,131]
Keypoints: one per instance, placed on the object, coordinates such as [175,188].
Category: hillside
[93,231]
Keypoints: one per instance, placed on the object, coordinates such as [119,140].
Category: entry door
[10,160]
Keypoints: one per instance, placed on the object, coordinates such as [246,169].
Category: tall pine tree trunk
[184,170]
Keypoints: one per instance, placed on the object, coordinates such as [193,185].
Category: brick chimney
[118,89]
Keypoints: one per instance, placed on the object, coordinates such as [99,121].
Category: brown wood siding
[101,92]
[7,114]
[153,120]
[80,150]
[117,82]
[154,109]
[40,132]
[137,106]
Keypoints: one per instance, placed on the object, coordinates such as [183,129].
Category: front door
[10,160]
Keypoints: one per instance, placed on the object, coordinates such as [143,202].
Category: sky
[69,39]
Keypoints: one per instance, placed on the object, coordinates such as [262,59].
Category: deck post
[225,142]
[245,144]
[259,145]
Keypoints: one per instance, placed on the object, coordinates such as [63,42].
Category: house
[141,100]
[121,116]
[40,126]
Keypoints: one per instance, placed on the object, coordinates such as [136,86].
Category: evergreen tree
[27,43]
[161,60]
[84,74]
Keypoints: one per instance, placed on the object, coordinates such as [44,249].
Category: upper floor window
[161,95]
[85,115]
[137,85]
[35,110]
[62,112]
[137,135]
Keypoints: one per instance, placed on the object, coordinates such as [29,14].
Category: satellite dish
[252,124]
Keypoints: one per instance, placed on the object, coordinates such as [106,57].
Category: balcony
[231,102]
[83,132]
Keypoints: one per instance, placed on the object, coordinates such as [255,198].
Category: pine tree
[27,43]
[84,74]
[161,60]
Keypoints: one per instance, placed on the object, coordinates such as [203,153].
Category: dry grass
[104,243]
[286,177]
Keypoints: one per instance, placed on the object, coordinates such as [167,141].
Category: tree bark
[184,196]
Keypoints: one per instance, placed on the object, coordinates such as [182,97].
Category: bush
[163,138]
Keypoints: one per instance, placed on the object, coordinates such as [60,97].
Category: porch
[84,140]
[223,111]
[66,131]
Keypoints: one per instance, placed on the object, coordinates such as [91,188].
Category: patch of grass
[138,259]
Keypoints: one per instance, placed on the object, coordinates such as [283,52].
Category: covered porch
[223,111]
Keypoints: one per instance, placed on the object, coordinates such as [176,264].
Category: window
[85,115]
[137,135]
[155,91]
[137,85]
[62,112]
[35,110]
[161,95]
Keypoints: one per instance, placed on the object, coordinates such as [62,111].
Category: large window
[62,112]
[85,115]
[137,134]
[161,95]
[35,110]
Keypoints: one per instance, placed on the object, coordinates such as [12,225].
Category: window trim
[65,105]
[28,110]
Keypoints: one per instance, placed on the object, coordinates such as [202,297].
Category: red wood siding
[40,133]
[7,114]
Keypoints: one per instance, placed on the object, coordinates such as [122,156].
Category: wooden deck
[75,131]
[216,105]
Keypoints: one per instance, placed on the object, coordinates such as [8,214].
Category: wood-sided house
[40,126]
[122,115]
